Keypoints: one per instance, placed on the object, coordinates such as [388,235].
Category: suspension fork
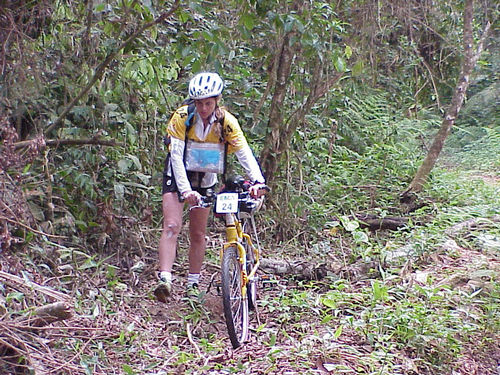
[234,236]
[252,248]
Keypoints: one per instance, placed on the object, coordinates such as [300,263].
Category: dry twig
[190,338]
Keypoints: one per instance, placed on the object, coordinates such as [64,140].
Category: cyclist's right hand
[258,190]
[192,197]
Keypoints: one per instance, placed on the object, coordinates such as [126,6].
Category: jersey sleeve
[249,163]
[232,133]
[176,127]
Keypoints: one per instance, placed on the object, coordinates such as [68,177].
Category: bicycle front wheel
[235,304]
[250,262]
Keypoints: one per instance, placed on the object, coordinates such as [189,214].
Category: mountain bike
[240,255]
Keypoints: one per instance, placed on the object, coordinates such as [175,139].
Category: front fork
[234,235]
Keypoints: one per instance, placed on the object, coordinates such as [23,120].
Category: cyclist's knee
[198,236]
[171,228]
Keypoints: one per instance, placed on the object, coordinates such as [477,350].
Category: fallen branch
[20,282]
[48,314]
[71,142]
[305,271]
[30,229]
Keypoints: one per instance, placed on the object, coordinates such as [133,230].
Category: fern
[481,154]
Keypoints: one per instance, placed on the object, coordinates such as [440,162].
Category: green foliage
[357,159]
[348,155]
[386,310]
[481,153]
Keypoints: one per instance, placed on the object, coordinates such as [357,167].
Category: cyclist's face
[205,107]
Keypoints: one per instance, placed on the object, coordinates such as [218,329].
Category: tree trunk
[271,154]
[278,139]
[469,62]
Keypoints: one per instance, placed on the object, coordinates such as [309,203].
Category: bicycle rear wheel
[235,304]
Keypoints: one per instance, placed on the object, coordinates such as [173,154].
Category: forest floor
[432,313]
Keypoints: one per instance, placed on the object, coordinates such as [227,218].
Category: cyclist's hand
[258,190]
[192,197]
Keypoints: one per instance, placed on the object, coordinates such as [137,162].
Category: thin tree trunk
[104,65]
[271,153]
[468,64]
[281,131]
[279,138]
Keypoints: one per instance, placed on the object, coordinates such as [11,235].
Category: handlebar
[246,203]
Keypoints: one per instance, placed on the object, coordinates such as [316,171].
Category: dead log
[373,222]
[298,269]
[304,270]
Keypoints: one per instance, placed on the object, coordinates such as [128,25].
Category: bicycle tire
[235,305]
[250,262]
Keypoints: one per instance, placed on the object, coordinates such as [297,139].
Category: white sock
[193,278]
[165,276]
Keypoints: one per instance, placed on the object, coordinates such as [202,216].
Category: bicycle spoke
[235,307]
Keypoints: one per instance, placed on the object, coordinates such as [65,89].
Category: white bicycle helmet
[205,85]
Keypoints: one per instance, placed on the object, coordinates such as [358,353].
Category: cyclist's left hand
[258,190]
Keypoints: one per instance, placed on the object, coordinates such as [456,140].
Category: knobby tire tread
[230,269]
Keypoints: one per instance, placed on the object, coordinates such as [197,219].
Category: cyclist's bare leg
[198,218]
[172,222]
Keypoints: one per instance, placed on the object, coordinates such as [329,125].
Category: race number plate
[227,203]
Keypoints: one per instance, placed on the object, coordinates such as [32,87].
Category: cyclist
[191,168]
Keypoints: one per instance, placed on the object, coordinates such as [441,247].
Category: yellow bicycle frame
[234,236]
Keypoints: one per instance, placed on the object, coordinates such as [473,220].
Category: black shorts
[170,186]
